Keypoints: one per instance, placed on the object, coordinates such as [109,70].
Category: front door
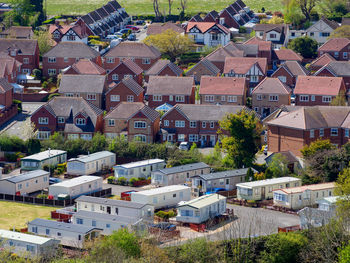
[203,140]
[170,137]
[108,209]
[262,193]
[96,166]
[212,140]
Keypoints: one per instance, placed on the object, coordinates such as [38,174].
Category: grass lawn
[145,7]
[17,215]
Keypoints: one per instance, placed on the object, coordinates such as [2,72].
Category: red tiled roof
[287,54]
[86,66]
[168,85]
[322,60]
[263,45]
[132,66]
[272,86]
[334,44]
[314,85]
[158,28]
[222,85]
[242,65]
[205,26]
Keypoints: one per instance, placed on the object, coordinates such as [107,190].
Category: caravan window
[155,200]
[174,195]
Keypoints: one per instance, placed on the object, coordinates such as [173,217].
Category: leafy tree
[276,20]
[292,13]
[244,135]
[341,32]
[45,41]
[11,143]
[344,254]
[170,43]
[306,46]
[33,146]
[315,147]
[306,7]
[278,167]
[339,100]
[343,190]
[25,13]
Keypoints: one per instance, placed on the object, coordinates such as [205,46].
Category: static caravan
[68,234]
[114,207]
[141,169]
[90,164]
[28,246]
[299,197]
[263,189]
[85,184]
[179,174]
[201,209]
[108,223]
[25,183]
[167,196]
[38,160]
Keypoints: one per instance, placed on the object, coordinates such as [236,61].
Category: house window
[130,98]
[171,97]
[304,97]
[80,121]
[166,123]
[25,60]
[313,98]
[51,71]
[30,248]
[193,124]
[312,34]
[259,97]
[345,54]
[43,135]
[179,98]
[324,34]
[69,95]
[115,97]
[179,124]
[140,124]
[115,77]
[336,54]
[193,138]
[60,119]
[254,79]
[111,122]
[223,98]
[321,132]
[65,59]
[51,59]
[273,98]
[110,60]
[326,99]
[157,98]
[334,131]
[215,37]
[80,221]
[204,124]
[93,223]
[91,97]
[181,137]
[47,231]
[127,76]
[273,36]
[146,61]
[212,125]
[312,133]
[232,98]
[282,79]
[209,98]
[43,120]
[71,38]
[346,132]
[116,210]
[256,109]
[59,234]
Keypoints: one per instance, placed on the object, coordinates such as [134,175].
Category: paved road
[15,125]
[118,189]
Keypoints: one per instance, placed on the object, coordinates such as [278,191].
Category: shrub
[121,180]
[61,168]
[111,179]
[37,74]
[242,29]
[52,96]
[132,181]
[42,196]
[166,214]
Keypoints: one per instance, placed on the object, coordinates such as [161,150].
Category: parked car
[124,31]
[133,28]
[132,37]
[185,146]
[118,34]
[53,180]
[111,37]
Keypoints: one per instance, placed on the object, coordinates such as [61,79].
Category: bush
[52,96]
[122,180]
[37,74]
[133,180]
[166,214]
[19,104]
[242,29]
[42,196]
[111,179]
[61,168]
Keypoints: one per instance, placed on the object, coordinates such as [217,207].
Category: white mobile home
[141,169]
[38,160]
[85,184]
[178,174]
[24,183]
[167,196]
[28,246]
[201,209]
[68,234]
[108,223]
[92,163]
[114,207]
[263,189]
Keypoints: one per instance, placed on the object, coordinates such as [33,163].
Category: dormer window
[80,121]
[13,52]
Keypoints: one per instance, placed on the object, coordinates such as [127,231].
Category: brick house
[289,71]
[223,90]
[294,130]
[10,68]
[127,90]
[212,16]
[25,51]
[276,33]
[72,116]
[269,95]
[7,109]
[195,123]
[320,62]
[203,68]
[338,48]
[163,67]
[18,32]
[74,33]
[196,18]
[143,55]
[314,90]
[65,54]
[90,87]
[84,67]
[280,56]
[133,119]
[125,69]
[336,69]
[264,48]
[254,69]
[170,90]
[235,15]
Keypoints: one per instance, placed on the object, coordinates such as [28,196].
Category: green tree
[315,147]
[24,13]
[343,190]
[341,32]
[170,43]
[278,167]
[243,141]
[306,7]
[45,41]
[306,46]
[339,100]
[292,13]
[344,254]
[33,146]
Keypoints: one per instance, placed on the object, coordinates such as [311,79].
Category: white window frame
[180,98]
[258,97]
[304,98]
[231,98]
[157,97]
[193,138]
[282,79]
[60,120]
[110,60]
[312,133]
[254,79]
[91,96]
[204,124]
[347,133]
[181,137]
[43,135]
[223,98]
[334,131]
[25,60]
[80,121]
[146,61]
[326,99]
[193,124]
[321,132]
[51,71]
[212,124]
[166,123]
[115,77]
[273,97]
[115,98]
[51,59]
[111,122]
[43,120]
[180,124]
[130,98]
[140,124]
[209,98]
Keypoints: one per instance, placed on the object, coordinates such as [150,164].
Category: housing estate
[71,235]
[84,67]
[115,207]
[39,160]
[299,197]
[69,33]
[91,163]
[280,56]
[289,71]
[264,48]
[127,68]
[74,116]
[263,189]
[179,174]
[18,32]
[135,120]
[336,69]
[140,169]
[24,183]
[10,68]
[203,68]
[162,197]
[201,209]
[163,67]
[338,48]
[73,188]
[320,62]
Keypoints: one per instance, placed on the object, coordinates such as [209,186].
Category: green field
[17,215]
[145,7]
